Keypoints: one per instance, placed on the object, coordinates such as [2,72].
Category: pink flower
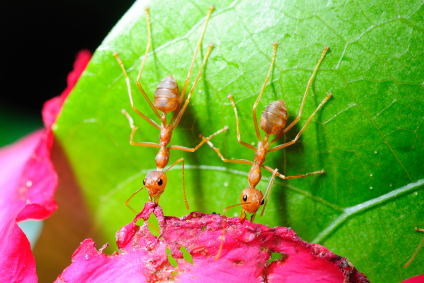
[415,279]
[28,182]
[247,248]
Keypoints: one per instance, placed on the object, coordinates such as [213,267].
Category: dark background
[39,41]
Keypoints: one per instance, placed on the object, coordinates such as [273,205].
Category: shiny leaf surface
[368,137]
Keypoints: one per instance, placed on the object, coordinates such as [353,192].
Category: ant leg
[258,134]
[242,215]
[229,160]
[180,100]
[142,65]
[301,131]
[185,198]
[237,120]
[417,250]
[126,203]
[292,177]
[153,123]
[303,101]
[148,144]
[271,182]
[181,113]
[177,147]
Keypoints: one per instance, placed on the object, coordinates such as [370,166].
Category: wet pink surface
[28,182]
[245,256]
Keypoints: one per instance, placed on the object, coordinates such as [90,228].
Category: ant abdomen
[274,118]
[166,95]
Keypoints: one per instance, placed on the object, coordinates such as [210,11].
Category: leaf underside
[368,137]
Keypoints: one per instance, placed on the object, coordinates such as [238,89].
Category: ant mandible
[273,121]
[166,99]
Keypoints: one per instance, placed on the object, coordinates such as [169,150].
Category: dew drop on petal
[29,183]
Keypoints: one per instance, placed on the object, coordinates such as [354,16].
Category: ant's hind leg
[180,100]
[127,79]
[149,41]
[303,101]
[301,131]
[237,121]
[182,110]
[262,90]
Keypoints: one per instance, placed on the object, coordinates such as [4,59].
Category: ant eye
[160,182]
[262,202]
[245,198]
[144,182]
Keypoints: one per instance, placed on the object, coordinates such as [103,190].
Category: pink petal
[27,193]
[28,183]
[415,279]
[244,258]
[53,106]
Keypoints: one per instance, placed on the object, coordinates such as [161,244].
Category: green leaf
[368,137]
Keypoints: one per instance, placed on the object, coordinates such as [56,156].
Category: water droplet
[29,183]
[235,214]
[370,175]
[253,143]
[370,188]
[416,193]
[375,152]
[200,91]
[226,184]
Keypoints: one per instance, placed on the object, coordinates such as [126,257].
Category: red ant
[273,121]
[166,99]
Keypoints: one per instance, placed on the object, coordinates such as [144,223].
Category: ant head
[254,197]
[155,183]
